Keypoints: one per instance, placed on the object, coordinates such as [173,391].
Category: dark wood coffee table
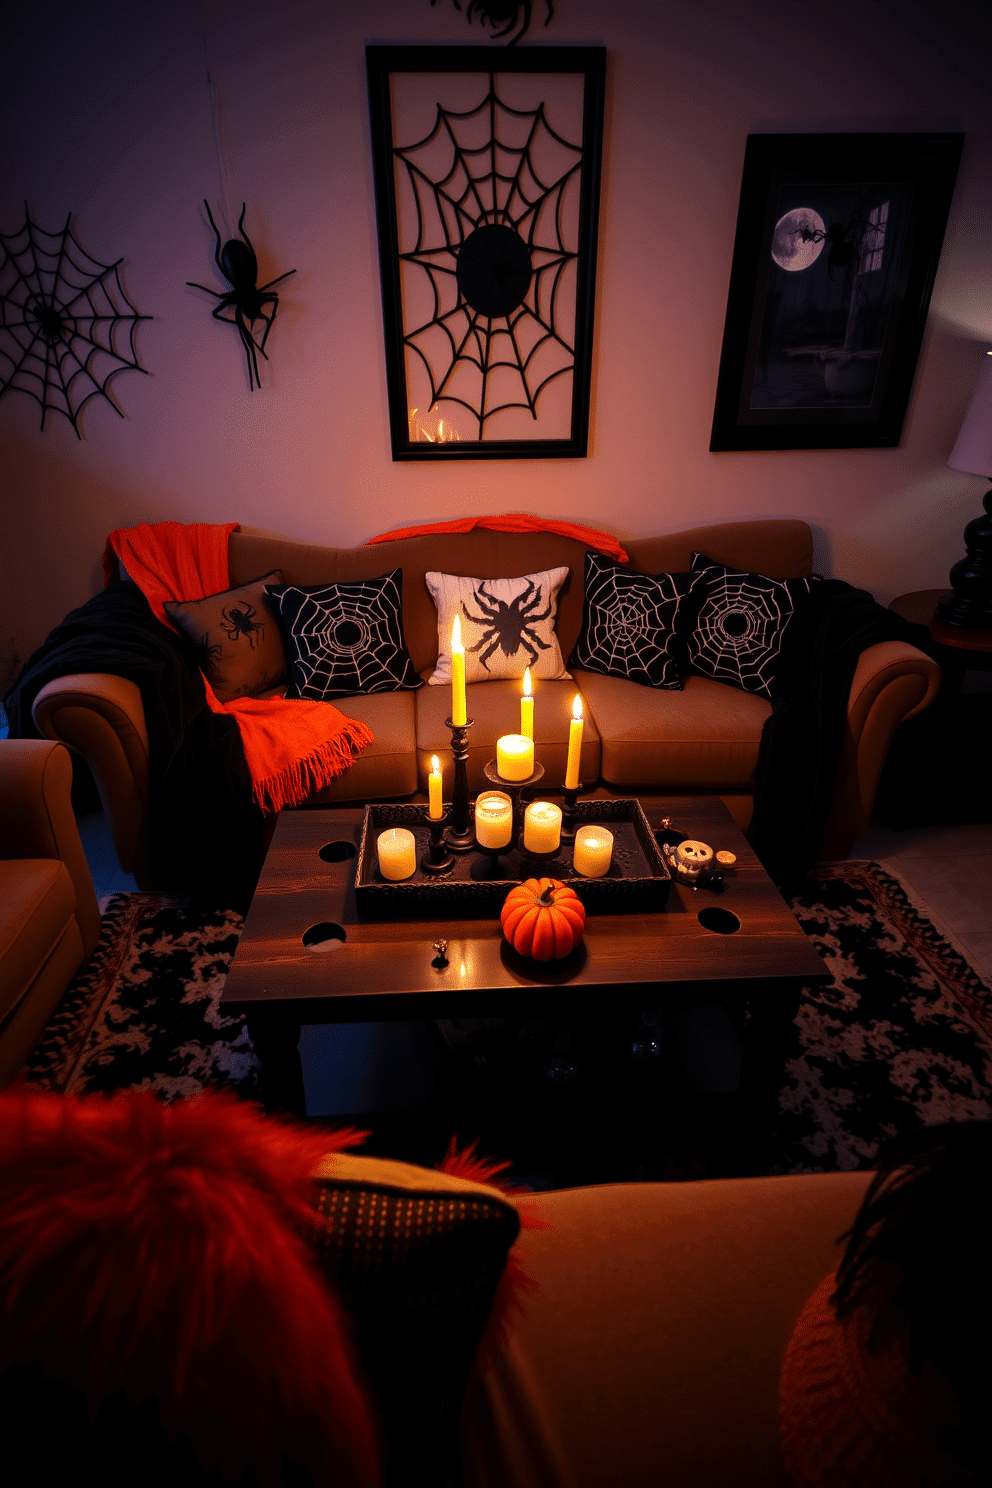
[380,970]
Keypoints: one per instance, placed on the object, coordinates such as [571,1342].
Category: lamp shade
[973,450]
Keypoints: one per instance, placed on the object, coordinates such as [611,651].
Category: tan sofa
[648,1347]
[704,738]
[49,920]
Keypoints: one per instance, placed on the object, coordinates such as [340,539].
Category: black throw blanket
[802,739]
[205,831]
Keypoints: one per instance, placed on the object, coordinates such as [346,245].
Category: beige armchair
[49,920]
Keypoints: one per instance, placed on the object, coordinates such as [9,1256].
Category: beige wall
[105,110]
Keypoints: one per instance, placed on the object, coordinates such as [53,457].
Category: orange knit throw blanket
[851,1416]
[292,746]
[514,522]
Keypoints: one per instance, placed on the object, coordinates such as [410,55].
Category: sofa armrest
[36,819]
[893,681]
[103,718]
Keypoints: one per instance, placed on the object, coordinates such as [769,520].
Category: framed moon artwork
[838,238]
[487,169]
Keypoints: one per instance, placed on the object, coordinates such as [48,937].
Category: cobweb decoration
[66,325]
[491,241]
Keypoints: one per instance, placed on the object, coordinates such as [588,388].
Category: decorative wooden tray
[638,876]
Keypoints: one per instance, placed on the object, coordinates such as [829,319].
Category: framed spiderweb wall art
[487,170]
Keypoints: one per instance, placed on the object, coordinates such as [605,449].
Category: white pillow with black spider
[507,625]
[735,622]
[343,639]
[629,623]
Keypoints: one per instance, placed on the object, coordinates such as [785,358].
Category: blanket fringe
[291,786]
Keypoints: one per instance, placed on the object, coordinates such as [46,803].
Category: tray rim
[383,895]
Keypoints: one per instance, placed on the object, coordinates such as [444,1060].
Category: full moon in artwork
[799,239]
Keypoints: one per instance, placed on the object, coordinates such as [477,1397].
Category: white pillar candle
[527,708]
[493,820]
[397,850]
[593,851]
[542,827]
[435,807]
[514,757]
[459,716]
[574,746]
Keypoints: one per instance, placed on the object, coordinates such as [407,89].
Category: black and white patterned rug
[901,1038]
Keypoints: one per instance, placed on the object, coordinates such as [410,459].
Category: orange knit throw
[292,746]
[857,1417]
[514,522]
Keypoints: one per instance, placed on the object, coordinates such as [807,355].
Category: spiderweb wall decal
[66,324]
[491,243]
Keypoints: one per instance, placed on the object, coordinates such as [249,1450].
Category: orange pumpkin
[543,918]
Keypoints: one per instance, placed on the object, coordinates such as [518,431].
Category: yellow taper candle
[527,708]
[574,745]
[435,808]
[458,714]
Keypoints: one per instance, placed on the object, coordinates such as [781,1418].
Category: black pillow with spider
[343,639]
[507,625]
[237,638]
[630,623]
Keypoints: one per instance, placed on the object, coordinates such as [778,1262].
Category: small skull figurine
[692,860]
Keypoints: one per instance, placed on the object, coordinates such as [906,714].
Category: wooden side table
[957,650]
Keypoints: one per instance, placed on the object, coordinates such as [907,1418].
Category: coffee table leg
[276,1040]
[766,1048]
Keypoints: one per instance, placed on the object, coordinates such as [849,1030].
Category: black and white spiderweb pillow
[628,628]
[345,638]
[736,622]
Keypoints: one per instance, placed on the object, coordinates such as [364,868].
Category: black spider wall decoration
[246,298]
[239,620]
[508,626]
[504,13]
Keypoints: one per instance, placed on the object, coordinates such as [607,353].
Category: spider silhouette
[505,13]
[239,620]
[239,266]
[508,626]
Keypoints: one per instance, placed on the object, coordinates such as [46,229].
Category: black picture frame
[838,239]
[501,344]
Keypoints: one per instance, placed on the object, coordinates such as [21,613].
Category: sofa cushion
[345,638]
[647,1351]
[387,766]
[495,708]
[507,625]
[734,623]
[704,738]
[37,910]
[237,638]
[629,626]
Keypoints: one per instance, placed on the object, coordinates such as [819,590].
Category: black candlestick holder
[437,858]
[569,797]
[515,790]
[489,864]
[460,837]
[539,861]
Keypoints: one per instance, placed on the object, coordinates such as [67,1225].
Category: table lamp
[970,605]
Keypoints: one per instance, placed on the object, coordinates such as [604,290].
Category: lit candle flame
[577,707]
[527,686]
[456,634]
[435,765]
